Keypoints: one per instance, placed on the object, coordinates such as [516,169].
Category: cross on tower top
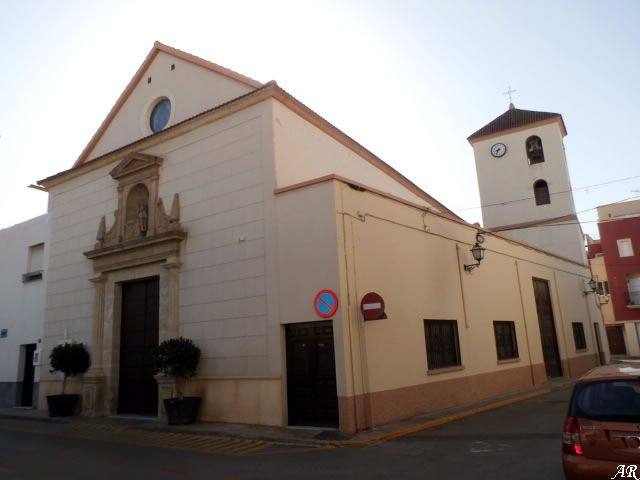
[509,92]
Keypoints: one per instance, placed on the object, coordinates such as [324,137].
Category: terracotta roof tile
[513,118]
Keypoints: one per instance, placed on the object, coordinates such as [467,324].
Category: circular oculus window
[160,115]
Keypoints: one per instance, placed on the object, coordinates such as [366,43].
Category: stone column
[173,268]
[166,389]
[93,384]
[167,385]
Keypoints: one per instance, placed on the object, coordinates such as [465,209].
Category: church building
[322,286]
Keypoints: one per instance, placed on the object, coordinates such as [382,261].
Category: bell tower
[524,183]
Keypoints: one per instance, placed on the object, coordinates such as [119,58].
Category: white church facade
[211,206]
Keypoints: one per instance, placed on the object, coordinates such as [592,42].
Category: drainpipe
[524,320]
[564,333]
[464,302]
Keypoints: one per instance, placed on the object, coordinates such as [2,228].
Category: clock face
[498,149]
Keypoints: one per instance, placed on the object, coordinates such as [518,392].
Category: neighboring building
[615,262]
[22,300]
[212,206]
[524,183]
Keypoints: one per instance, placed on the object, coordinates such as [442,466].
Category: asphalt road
[519,441]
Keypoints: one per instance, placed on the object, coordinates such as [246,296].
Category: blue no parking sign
[325,303]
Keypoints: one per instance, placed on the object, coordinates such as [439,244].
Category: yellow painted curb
[435,423]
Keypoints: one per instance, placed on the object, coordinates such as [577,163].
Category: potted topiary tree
[70,359]
[178,358]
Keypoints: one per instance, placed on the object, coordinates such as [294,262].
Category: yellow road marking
[257,446]
[435,423]
[236,446]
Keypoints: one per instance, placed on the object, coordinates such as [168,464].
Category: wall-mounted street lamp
[478,253]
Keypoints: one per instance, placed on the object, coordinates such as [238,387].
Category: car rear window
[607,401]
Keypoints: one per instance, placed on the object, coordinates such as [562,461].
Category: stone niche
[142,231]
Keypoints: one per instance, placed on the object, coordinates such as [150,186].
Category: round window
[160,115]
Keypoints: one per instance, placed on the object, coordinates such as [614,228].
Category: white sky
[409,80]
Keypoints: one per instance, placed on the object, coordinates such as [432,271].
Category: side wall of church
[303,152]
[414,260]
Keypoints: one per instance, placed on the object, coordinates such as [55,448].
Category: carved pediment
[137,163]
[140,221]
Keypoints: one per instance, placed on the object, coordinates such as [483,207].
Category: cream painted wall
[218,171]
[600,274]
[307,255]
[632,338]
[303,152]
[410,258]
[22,311]
[564,239]
[178,85]
[619,210]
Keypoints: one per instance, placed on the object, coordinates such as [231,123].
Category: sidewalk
[295,436]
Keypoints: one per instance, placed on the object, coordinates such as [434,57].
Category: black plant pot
[182,411]
[62,405]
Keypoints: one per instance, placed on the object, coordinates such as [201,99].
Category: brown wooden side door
[615,338]
[546,321]
[311,374]
[138,390]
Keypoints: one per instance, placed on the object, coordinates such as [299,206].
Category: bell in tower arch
[535,154]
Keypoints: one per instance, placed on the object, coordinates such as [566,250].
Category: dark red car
[601,438]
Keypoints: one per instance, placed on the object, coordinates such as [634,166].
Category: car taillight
[571,437]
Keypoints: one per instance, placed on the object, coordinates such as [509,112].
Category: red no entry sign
[325,303]
[372,306]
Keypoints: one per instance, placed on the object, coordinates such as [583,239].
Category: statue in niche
[140,215]
[142,218]
[137,212]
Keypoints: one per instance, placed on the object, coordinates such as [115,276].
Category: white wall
[562,239]
[21,304]
[190,88]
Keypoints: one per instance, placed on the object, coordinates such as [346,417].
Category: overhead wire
[561,192]
[560,223]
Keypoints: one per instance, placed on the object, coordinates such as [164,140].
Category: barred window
[443,347]
[36,262]
[506,341]
[578,336]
